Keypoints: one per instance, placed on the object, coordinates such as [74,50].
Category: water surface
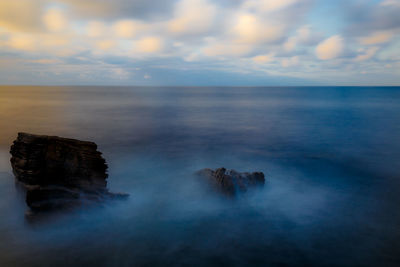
[331,157]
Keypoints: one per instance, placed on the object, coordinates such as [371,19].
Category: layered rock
[58,172]
[232,182]
[43,160]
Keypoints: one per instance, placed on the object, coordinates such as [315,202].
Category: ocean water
[331,156]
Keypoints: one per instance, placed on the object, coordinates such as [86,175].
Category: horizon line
[193,86]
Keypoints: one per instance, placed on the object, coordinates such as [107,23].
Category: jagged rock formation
[232,182]
[59,172]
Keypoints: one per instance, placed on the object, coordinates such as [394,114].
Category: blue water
[331,156]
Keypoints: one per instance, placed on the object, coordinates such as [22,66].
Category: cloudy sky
[200,42]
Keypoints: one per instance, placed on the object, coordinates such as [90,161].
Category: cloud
[377,38]
[118,9]
[217,48]
[45,44]
[149,44]
[252,29]
[22,42]
[192,17]
[54,41]
[391,3]
[290,44]
[268,5]
[261,59]
[106,44]
[21,15]
[365,18]
[126,28]
[46,61]
[55,20]
[255,37]
[303,34]
[330,48]
[290,62]
[369,53]
[119,73]
[95,29]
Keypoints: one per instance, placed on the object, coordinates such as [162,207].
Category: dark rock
[43,160]
[59,172]
[41,198]
[232,182]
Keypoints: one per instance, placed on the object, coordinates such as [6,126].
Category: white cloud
[290,44]
[106,44]
[231,35]
[268,5]
[44,43]
[369,53]
[126,28]
[330,48]
[391,3]
[253,29]
[21,15]
[302,35]
[55,20]
[192,17]
[377,38]
[217,48]
[290,62]
[22,42]
[96,29]
[46,61]
[120,73]
[150,44]
[54,41]
[263,58]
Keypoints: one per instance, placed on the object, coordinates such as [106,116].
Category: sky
[200,42]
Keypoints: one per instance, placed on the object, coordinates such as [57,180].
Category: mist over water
[331,158]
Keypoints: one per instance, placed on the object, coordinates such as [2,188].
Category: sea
[330,155]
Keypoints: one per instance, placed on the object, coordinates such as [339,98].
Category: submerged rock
[41,198]
[59,172]
[232,182]
[52,197]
